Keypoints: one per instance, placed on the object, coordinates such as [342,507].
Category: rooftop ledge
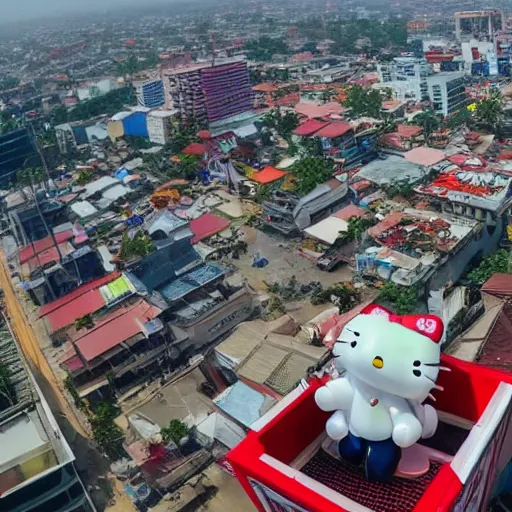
[286,459]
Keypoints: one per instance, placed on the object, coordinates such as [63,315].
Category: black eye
[356,333]
[416,363]
[353,344]
[417,373]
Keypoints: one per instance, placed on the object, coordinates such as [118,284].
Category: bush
[108,436]
[402,298]
[175,431]
[497,263]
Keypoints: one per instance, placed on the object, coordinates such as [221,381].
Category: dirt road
[30,347]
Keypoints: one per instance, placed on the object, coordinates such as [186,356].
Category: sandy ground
[284,262]
[91,466]
[230,496]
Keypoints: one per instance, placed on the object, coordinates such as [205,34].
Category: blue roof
[242,403]
[191,281]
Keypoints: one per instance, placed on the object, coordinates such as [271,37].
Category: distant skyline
[24,10]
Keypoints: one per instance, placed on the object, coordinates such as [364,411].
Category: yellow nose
[378,362]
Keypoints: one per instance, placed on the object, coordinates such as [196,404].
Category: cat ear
[375,309]
[430,326]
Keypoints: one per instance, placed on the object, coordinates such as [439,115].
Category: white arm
[335,395]
[407,429]
[427,416]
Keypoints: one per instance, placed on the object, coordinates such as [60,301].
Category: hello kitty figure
[390,365]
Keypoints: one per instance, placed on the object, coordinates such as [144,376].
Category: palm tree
[430,122]
[489,111]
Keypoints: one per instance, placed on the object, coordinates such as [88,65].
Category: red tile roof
[408,130]
[116,327]
[267,175]
[196,149]
[333,130]
[207,225]
[309,127]
[78,292]
[27,252]
[349,211]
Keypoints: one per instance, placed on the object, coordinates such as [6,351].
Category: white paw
[407,431]
[336,394]
[336,426]
[430,422]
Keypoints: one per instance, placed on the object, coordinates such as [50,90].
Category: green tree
[107,435]
[284,124]
[489,111]
[175,431]
[364,102]
[402,298]
[429,121]
[310,172]
[60,115]
[497,263]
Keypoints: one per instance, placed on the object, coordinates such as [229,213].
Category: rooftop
[31,440]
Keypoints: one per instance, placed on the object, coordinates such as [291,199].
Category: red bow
[430,326]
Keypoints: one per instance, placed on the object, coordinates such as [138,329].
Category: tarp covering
[499,285]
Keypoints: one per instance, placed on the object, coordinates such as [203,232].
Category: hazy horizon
[28,10]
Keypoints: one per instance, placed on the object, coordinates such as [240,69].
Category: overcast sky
[13,10]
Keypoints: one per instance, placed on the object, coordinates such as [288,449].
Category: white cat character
[390,365]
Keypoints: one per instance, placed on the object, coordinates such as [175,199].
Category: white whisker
[439,388]
[432,397]
[445,369]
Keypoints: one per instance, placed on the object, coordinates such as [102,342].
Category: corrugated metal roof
[87,303]
[292,369]
[114,328]
[309,127]
[265,359]
[27,252]
[498,285]
[245,338]
[56,304]
[207,225]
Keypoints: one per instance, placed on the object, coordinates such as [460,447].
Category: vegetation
[7,391]
[283,124]
[175,432]
[108,104]
[402,298]
[264,48]
[310,172]
[356,227]
[107,435]
[364,102]
[84,177]
[84,322]
[9,82]
[138,246]
[497,263]
[182,137]
[138,142]
[77,399]
[402,188]
[430,122]
[30,176]
[342,295]
[489,111]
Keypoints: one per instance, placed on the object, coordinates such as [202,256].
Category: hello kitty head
[396,354]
